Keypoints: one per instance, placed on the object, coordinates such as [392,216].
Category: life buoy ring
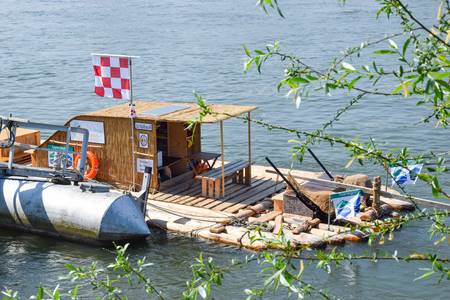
[92,160]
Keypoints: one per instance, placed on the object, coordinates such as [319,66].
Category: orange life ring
[92,160]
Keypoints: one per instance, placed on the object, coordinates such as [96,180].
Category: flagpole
[132,126]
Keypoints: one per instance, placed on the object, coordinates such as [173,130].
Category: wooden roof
[185,113]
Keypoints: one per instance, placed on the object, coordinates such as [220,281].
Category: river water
[197,45]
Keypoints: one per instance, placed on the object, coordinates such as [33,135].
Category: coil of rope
[8,126]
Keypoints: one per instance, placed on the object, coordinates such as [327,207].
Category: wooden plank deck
[237,196]
[187,191]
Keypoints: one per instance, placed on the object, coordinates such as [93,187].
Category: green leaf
[385,51]
[405,46]
[247,52]
[298,80]
[248,64]
[353,82]
[439,75]
[283,281]
[425,275]
[396,90]
[40,293]
[311,77]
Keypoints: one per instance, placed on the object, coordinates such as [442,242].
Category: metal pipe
[11,149]
[311,205]
[28,124]
[320,164]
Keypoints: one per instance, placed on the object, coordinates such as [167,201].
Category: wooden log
[251,220]
[314,222]
[347,233]
[296,220]
[305,239]
[397,204]
[278,202]
[369,215]
[376,190]
[305,227]
[328,236]
[218,228]
[253,210]
[266,217]
[385,210]
[356,221]
[198,212]
[278,223]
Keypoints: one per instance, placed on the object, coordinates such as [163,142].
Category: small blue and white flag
[402,176]
[346,204]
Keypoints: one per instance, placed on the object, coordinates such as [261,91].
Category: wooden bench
[212,180]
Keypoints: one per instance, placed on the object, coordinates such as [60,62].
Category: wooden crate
[24,136]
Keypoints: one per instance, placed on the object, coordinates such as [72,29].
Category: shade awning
[173,111]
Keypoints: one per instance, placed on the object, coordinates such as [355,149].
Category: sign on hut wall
[141,163]
[143,126]
[96,131]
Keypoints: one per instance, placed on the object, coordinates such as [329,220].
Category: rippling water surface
[45,75]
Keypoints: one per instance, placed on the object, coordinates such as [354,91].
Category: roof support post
[248,172]
[223,158]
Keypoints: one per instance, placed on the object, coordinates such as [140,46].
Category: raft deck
[237,197]
[180,207]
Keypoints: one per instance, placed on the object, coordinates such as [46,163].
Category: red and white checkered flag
[112,76]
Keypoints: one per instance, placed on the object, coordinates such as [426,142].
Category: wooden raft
[180,207]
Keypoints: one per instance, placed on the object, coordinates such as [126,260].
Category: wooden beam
[248,171]
[223,158]
[154,151]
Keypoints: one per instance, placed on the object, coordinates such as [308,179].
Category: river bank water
[46,76]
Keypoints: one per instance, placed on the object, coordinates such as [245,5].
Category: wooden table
[203,157]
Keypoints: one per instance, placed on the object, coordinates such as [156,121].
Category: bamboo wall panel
[115,156]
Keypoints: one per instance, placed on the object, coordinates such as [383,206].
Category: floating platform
[245,212]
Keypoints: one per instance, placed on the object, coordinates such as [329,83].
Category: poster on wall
[141,163]
[143,140]
[96,131]
[66,158]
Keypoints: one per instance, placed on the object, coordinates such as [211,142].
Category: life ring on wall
[92,160]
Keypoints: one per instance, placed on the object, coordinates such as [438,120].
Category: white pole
[133,171]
